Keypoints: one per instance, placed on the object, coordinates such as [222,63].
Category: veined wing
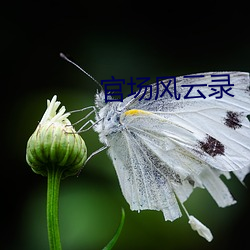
[152,168]
[141,183]
[220,128]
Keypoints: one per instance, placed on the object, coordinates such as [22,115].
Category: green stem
[54,177]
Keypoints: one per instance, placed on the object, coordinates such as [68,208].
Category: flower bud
[55,144]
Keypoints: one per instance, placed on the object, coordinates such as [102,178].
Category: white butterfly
[162,149]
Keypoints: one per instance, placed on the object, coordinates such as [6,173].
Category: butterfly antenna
[90,76]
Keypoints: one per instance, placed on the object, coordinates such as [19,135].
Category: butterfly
[164,148]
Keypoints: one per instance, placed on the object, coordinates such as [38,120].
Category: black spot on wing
[212,146]
[190,181]
[233,119]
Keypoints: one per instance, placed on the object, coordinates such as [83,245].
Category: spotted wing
[170,146]
[153,167]
[220,125]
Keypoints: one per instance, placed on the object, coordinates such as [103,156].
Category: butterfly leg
[82,128]
[96,152]
[86,116]
[91,155]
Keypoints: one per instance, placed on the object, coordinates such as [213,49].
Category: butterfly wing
[221,127]
[141,183]
[170,146]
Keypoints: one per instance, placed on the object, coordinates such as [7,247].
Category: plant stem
[54,177]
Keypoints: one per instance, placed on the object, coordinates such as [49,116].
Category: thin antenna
[68,60]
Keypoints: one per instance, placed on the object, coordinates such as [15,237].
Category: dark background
[121,39]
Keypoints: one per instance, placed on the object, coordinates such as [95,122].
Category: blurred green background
[120,39]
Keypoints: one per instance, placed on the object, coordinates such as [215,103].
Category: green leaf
[117,234]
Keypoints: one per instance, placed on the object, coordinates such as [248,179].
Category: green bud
[55,144]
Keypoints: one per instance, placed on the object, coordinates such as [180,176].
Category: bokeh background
[107,38]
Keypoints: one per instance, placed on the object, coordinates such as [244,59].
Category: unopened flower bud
[55,143]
